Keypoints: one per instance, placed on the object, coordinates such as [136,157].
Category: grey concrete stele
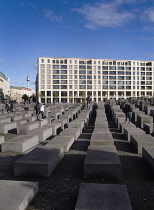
[102,162]
[40,162]
[102,197]
[16,194]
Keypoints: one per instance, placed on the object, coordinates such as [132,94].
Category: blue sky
[116,29]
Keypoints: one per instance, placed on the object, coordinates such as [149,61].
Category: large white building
[4,87]
[71,79]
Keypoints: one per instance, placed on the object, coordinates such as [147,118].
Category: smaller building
[16,93]
[4,87]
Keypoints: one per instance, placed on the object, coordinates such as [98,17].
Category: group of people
[39,109]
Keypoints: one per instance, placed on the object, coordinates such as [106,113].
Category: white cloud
[50,15]
[2,60]
[148,15]
[106,14]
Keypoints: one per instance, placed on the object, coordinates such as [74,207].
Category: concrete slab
[140,140]
[17,194]
[102,197]
[6,127]
[148,157]
[24,129]
[40,162]
[43,133]
[19,143]
[65,141]
[71,132]
[1,139]
[101,130]
[102,162]
[124,125]
[55,127]
[130,130]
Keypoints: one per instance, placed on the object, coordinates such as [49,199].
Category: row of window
[94,67]
[70,61]
[91,87]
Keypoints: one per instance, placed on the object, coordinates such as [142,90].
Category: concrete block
[148,128]
[55,127]
[40,162]
[101,130]
[65,141]
[6,127]
[24,129]
[17,194]
[102,197]
[144,119]
[43,133]
[102,162]
[130,130]
[139,140]
[1,139]
[71,132]
[124,125]
[5,120]
[19,143]
[148,157]
[77,123]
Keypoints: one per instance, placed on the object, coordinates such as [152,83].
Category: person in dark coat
[128,112]
[88,99]
[37,110]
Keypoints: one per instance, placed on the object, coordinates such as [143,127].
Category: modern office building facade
[72,79]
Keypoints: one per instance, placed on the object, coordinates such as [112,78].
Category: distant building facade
[71,79]
[18,92]
[4,87]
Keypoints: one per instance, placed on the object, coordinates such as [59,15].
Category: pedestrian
[128,112]
[7,107]
[88,99]
[37,110]
[42,111]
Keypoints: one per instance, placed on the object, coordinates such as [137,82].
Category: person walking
[37,110]
[128,112]
[42,111]
[88,99]
[7,107]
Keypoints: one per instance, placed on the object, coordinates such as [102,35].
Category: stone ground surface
[60,190]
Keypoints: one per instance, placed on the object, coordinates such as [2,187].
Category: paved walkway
[60,191]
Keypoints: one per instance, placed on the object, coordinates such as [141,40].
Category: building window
[48,93]
[82,86]
[55,71]
[63,72]
[42,60]
[48,61]
[89,77]
[63,76]
[55,76]
[63,81]
[89,86]
[55,86]
[82,67]
[82,81]
[55,81]
[55,66]
[104,67]
[48,86]
[63,66]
